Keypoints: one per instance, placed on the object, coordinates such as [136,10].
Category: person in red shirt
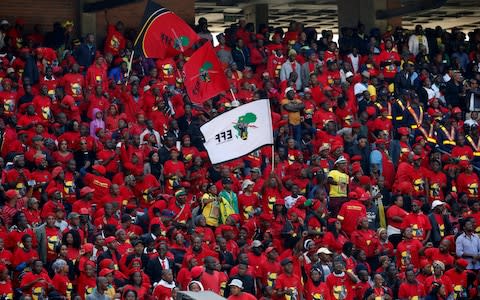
[366,239]
[458,277]
[6,290]
[411,288]
[468,181]
[270,268]
[165,287]
[395,215]
[437,181]
[211,279]
[408,250]
[98,182]
[389,60]
[288,284]
[60,280]
[97,74]
[419,222]
[315,288]
[115,42]
[36,283]
[351,211]
[42,104]
[438,277]
[341,281]
[441,253]
[236,291]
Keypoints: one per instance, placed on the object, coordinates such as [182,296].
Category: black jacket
[154,269]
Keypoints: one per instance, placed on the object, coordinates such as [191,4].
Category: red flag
[163,33]
[204,75]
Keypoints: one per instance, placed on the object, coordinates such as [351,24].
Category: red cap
[456,110]
[365,180]
[371,110]
[269,249]
[105,272]
[85,190]
[356,124]
[356,167]
[417,202]
[356,158]
[352,195]
[403,131]
[105,263]
[56,171]
[11,194]
[364,197]
[424,263]
[196,271]
[84,211]
[88,247]
[462,262]
[464,164]
[110,239]
[280,201]
[100,169]
[381,141]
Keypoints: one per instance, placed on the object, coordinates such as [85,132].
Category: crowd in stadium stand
[107,191]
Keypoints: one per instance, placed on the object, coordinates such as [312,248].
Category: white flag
[238,132]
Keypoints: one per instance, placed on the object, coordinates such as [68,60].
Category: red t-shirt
[6,290]
[340,286]
[350,213]
[242,296]
[62,284]
[420,225]
[211,282]
[43,284]
[291,282]
[409,290]
[393,211]
[434,254]
[407,251]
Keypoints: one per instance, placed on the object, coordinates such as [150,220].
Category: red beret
[11,194]
[356,158]
[266,216]
[332,220]
[110,239]
[105,272]
[105,263]
[356,124]
[356,167]
[280,201]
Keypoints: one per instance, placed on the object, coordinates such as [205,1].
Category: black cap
[226,180]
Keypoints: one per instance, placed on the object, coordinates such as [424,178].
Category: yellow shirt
[293,117]
[340,188]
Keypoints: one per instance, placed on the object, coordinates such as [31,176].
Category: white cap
[348,74]
[235,103]
[4,22]
[437,203]
[237,282]
[246,183]
[288,89]
[324,251]
[10,70]
[256,243]
[340,160]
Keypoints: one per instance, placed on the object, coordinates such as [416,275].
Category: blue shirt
[468,245]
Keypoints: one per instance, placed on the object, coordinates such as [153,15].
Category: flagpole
[273,158]
[129,67]
[233,95]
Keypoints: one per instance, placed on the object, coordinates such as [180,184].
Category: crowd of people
[371,193]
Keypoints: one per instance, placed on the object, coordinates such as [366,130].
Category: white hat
[256,243]
[324,251]
[4,22]
[235,103]
[246,183]
[348,74]
[366,74]
[237,282]
[340,160]
[288,89]
[10,70]
[437,203]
